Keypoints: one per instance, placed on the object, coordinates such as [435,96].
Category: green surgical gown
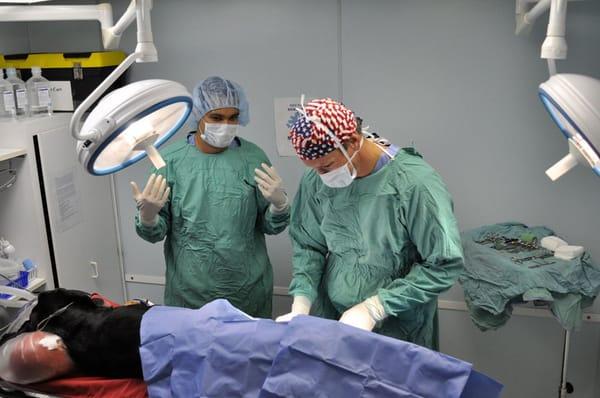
[392,234]
[215,224]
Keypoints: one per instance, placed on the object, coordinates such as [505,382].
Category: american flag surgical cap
[309,135]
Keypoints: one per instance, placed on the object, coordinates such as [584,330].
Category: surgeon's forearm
[308,268]
[274,222]
[151,233]
[304,285]
[425,282]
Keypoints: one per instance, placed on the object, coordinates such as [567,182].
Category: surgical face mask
[342,177]
[219,135]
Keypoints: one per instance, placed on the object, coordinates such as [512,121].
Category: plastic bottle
[9,271]
[31,268]
[20,91]
[38,88]
[29,265]
[6,249]
[8,108]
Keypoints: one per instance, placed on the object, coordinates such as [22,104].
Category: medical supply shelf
[54,203]
[22,220]
[33,286]
[11,153]
[36,284]
[11,302]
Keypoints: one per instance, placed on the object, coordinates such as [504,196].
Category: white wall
[449,76]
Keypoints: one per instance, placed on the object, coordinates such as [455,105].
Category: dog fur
[101,341]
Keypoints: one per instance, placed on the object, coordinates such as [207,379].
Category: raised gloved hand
[300,306]
[271,187]
[365,315]
[152,199]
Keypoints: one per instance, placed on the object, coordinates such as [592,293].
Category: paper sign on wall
[68,203]
[285,116]
[61,95]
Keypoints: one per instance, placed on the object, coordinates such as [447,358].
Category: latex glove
[152,199]
[300,306]
[365,315]
[271,187]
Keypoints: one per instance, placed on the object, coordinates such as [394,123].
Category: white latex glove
[365,315]
[300,306]
[271,187]
[152,199]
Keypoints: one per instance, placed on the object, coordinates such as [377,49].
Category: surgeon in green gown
[214,201]
[375,240]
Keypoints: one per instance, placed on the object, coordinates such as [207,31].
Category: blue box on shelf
[22,281]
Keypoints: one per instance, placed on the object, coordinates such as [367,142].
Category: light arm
[74,125]
[111,36]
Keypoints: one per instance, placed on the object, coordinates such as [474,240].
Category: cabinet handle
[94,266]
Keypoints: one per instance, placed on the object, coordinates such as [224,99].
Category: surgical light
[573,102]
[131,122]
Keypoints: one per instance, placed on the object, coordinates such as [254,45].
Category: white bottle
[8,108]
[38,88]
[20,91]
[9,270]
[6,250]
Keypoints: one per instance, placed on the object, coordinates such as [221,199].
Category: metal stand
[565,388]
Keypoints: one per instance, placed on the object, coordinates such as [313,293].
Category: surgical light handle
[154,156]
[562,167]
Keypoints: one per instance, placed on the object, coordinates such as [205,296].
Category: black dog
[101,341]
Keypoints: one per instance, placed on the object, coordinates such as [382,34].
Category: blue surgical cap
[215,93]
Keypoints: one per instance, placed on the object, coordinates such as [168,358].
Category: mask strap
[362,141]
[354,170]
[384,151]
[377,141]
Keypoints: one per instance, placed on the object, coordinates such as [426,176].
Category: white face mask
[342,177]
[219,135]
